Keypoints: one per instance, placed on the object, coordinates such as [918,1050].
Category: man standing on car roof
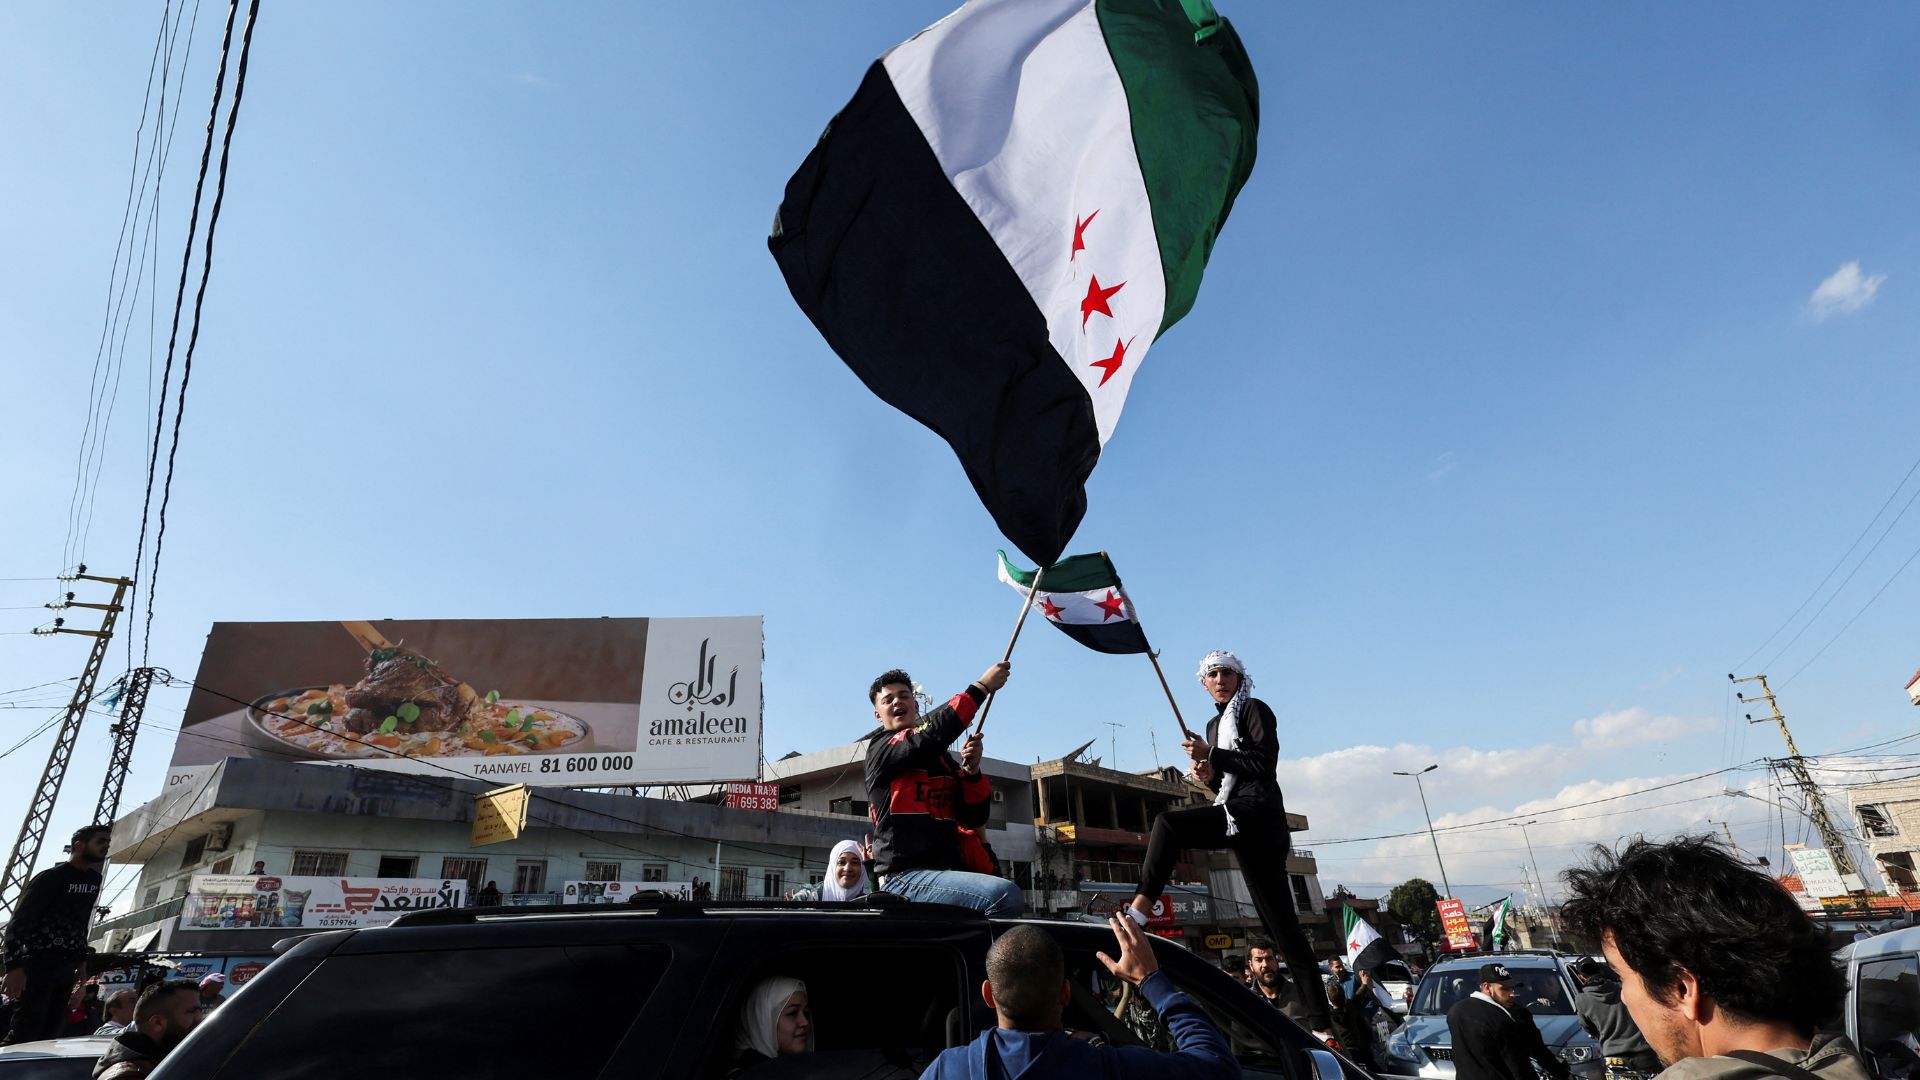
[1724,974]
[1236,761]
[926,806]
[47,939]
[1488,1040]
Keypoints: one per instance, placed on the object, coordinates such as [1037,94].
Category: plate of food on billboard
[557,702]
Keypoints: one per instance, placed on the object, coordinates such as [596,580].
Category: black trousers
[1262,849]
[43,1003]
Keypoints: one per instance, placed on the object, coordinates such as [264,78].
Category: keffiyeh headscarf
[760,1017]
[831,889]
[1229,733]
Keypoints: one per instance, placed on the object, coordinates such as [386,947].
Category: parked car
[656,990]
[52,1059]
[1423,1047]
[1882,1014]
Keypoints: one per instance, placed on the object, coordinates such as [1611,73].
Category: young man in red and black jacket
[922,798]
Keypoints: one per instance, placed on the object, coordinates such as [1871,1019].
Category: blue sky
[1504,408]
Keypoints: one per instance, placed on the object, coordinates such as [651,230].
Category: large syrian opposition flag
[1013,208]
[1081,595]
[1366,949]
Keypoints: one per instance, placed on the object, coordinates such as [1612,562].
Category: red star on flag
[1112,607]
[1079,232]
[1097,300]
[1111,365]
[1050,609]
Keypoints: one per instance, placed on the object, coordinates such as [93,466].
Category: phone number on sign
[586,763]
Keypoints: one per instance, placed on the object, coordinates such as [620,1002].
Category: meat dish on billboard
[550,702]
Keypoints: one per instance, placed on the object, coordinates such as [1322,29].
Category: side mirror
[1325,1065]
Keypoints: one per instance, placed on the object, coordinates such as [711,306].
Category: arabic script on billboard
[1817,874]
[1453,920]
[619,892]
[546,702]
[216,902]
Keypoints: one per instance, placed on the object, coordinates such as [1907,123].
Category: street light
[1429,814]
[1545,901]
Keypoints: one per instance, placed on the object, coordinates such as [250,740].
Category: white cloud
[1442,467]
[1844,293]
[1630,727]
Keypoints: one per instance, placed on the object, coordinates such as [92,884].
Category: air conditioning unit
[218,839]
[999,796]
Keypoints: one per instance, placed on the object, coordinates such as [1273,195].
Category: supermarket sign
[1453,920]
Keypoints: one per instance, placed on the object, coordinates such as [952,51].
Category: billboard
[548,702]
[1453,920]
[1817,874]
[229,902]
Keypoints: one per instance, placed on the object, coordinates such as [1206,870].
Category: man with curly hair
[1724,974]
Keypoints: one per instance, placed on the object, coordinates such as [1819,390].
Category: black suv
[655,990]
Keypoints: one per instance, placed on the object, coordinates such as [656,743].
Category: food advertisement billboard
[619,892]
[548,702]
[229,902]
[1454,922]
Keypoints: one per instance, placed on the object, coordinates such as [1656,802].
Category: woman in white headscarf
[774,1022]
[848,875]
[1236,761]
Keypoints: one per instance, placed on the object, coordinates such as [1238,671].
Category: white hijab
[831,889]
[760,1018]
[1229,733]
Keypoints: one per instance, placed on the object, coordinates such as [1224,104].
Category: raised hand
[970,751]
[1136,952]
[995,677]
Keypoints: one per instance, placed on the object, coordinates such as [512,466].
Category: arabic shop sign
[217,902]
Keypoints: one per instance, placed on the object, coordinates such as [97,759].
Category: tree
[1414,902]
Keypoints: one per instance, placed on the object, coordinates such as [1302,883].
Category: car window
[1104,1004]
[1540,989]
[1443,988]
[1887,1014]
[554,1011]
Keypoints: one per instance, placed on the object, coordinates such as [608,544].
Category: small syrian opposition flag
[1015,205]
[1500,923]
[1366,949]
[1081,595]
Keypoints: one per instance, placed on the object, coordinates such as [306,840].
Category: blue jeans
[997,897]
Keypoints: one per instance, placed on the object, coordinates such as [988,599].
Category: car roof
[82,1046]
[1512,960]
[1898,941]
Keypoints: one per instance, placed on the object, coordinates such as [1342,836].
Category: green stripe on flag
[1195,110]
[1077,573]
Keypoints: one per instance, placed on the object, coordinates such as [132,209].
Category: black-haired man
[162,1018]
[1724,974]
[925,805]
[1489,1042]
[1027,989]
[47,938]
[1605,1017]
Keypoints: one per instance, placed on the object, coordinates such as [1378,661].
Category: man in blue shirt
[1027,989]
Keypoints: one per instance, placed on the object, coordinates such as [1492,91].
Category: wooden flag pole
[1154,658]
[981,724]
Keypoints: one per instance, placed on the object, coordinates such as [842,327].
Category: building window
[733,883]
[653,871]
[1875,822]
[847,804]
[397,866]
[1302,898]
[603,871]
[196,850]
[180,886]
[318,864]
[224,866]
[150,897]
[467,870]
[773,884]
[530,876]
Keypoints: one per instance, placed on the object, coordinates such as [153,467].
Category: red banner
[753,796]
[1453,919]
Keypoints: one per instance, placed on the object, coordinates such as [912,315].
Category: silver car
[1423,1047]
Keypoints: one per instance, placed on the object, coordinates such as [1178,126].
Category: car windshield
[1538,988]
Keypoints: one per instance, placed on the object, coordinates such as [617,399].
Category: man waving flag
[1015,205]
[1366,951]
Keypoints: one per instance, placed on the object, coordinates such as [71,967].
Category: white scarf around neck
[1228,734]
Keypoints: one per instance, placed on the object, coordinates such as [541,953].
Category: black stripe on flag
[1120,636]
[910,290]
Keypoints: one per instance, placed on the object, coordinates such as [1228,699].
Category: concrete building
[1888,815]
[323,820]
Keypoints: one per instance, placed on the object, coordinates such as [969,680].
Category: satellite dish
[1074,754]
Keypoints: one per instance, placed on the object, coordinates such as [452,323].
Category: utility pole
[1802,779]
[133,702]
[1728,829]
[26,849]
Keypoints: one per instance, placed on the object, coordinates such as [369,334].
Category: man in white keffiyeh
[1237,761]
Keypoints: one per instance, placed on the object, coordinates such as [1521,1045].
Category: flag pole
[1153,657]
[981,724]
